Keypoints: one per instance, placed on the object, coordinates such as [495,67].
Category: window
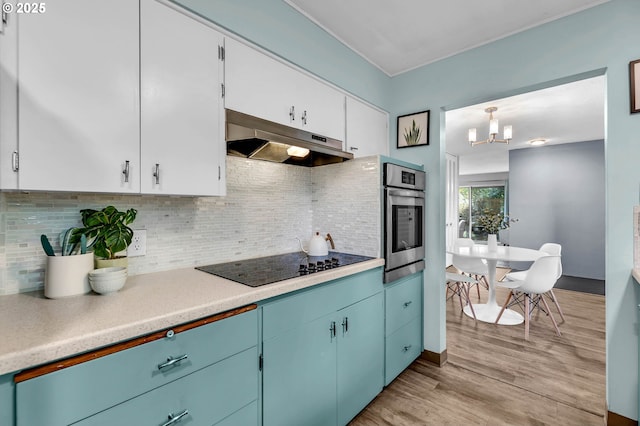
[475,201]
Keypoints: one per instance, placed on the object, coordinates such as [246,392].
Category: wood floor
[494,377]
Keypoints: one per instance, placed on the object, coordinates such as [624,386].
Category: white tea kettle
[318,245]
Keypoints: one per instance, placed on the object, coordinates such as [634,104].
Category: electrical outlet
[138,246]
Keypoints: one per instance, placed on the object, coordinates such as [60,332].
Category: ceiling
[572,112]
[397,36]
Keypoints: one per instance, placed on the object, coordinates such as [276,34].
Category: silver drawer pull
[175,418]
[406,304]
[406,348]
[172,362]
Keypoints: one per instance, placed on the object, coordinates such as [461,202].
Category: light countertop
[36,330]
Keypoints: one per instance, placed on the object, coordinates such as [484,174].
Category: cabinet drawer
[208,395]
[403,303]
[289,312]
[402,347]
[76,392]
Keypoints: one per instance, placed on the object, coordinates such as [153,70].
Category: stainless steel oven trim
[401,197]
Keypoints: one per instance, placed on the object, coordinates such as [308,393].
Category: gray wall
[558,195]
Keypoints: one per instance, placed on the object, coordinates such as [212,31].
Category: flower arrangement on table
[493,223]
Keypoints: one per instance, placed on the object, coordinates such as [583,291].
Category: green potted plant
[107,234]
[493,223]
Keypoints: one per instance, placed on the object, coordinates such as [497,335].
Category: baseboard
[614,419]
[439,359]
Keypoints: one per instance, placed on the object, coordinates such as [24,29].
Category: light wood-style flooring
[494,377]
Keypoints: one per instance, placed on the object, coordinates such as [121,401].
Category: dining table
[488,312]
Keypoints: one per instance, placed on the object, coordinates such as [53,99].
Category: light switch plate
[138,246]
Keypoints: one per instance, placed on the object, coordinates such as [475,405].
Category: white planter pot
[67,275]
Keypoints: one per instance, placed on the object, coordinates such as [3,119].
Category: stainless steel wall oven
[404,213]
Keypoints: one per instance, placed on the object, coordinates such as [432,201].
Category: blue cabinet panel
[403,302]
[402,348]
[7,400]
[207,396]
[360,361]
[245,416]
[323,352]
[299,376]
[77,392]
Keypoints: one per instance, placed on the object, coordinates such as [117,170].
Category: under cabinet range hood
[252,137]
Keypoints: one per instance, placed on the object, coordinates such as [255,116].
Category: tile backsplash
[266,207]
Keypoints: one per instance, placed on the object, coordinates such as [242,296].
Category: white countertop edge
[42,341]
[636,274]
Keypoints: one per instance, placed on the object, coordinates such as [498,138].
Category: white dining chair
[551,249]
[460,285]
[540,278]
[473,267]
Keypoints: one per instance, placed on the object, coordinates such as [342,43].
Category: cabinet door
[321,107]
[258,85]
[79,97]
[367,129]
[299,376]
[9,102]
[182,135]
[360,356]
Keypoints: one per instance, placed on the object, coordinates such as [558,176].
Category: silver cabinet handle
[332,329]
[406,304]
[304,117]
[345,325]
[406,348]
[292,113]
[175,418]
[125,172]
[172,362]
[353,148]
[15,161]
[156,174]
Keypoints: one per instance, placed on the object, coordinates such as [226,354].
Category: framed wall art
[634,77]
[413,129]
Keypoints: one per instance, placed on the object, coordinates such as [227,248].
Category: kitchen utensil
[46,245]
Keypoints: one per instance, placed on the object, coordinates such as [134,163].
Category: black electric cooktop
[271,269]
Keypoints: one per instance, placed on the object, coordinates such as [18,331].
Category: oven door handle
[404,193]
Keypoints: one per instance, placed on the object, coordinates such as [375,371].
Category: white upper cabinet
[262,86]
[182,118]
[8,103]
[78,99]
[367,129]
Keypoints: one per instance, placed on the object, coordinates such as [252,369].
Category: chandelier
[493,131]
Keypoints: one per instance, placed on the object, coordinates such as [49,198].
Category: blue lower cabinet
[299,376]
[210,370]
[360,361]
[202,398]
[402,348]
[403,324]
[327,369]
